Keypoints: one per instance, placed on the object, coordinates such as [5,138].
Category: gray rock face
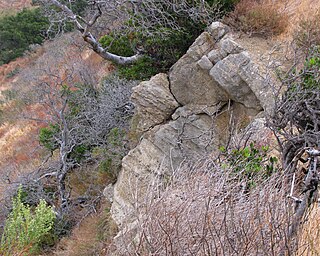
[165,148]
[226,73]
[217,30]
[154,102]
[190,83]
[186,115]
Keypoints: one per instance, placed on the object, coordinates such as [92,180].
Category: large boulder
[226,73]
[165,148]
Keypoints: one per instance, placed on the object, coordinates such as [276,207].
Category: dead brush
[257,18]
[210,213]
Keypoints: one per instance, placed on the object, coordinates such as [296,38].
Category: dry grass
[258,17]
[208,212]
[310,235]
[91,237]
[307,33]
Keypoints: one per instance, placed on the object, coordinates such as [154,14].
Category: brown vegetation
[208,212]
[307,33]
[259,18]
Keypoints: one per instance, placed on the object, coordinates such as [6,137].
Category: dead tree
[297,123]
[136,15]
[77,114]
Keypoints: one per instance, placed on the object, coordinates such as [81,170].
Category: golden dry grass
[310,235]
[297,10]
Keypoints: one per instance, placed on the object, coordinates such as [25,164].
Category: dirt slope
[6,5]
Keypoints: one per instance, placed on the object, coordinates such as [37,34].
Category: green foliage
[162,50]
[79,152]
[311,79]
[250,161]
[25,228]
[110,166]
[19,31]
[307,79]
[13,73]
[8,94]
[118,45]
[143,69]
[47,137]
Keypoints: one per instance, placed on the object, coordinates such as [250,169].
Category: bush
[47,137]
[162,50]
[163,34]
[25,229]
[257,18]
[19,31]
[250,162]
[296,118]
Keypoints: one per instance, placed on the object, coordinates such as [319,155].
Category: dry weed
[210,213]
[260,18]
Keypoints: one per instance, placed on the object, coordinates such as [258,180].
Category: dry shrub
[210,213]
[307,34]
[258,18]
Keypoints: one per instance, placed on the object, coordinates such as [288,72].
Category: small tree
[19,31]
[25,227]
[147,18]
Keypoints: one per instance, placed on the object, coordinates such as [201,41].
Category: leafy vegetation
[162,47]
[19,31]
[25,227]
[249,162]
[162,50]
[47,137]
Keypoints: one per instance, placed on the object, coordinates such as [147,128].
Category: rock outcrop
[154,102]
[213,89]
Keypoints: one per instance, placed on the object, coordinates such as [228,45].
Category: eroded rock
[187,115]
[189,78]
[226,74]
[154,102]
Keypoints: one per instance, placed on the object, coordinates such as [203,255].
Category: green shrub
[162,50]
[13,73]
[19,31]
[25,228]
[249,162]
[118,45]
[47,137]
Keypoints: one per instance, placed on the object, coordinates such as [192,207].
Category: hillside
[198,172]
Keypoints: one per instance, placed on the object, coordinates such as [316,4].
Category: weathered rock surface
[188,114]
[154,102]
[191,84]
[162,150]
[226,73]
